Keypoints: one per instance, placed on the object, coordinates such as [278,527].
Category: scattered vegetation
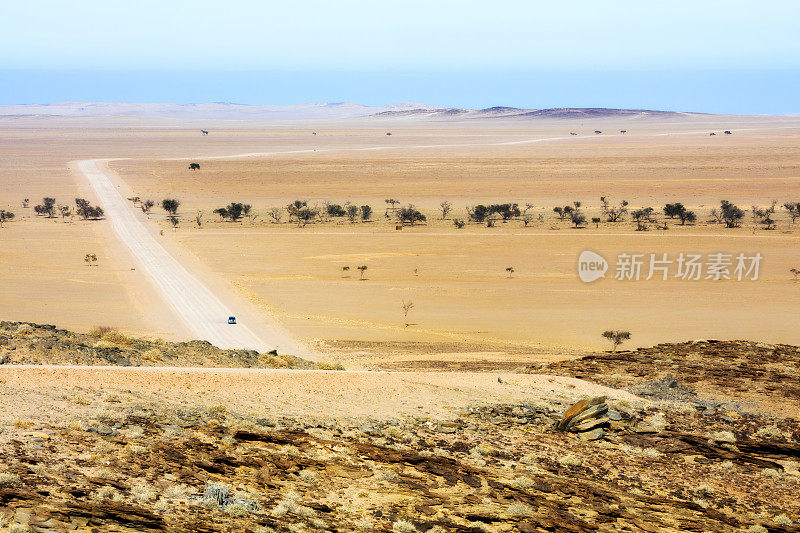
[5,216]
[410,215]
[234,211]
[728,213]
[613,213]
[407,306]
[46,208]
[616,337]
[86,211]
[170,205]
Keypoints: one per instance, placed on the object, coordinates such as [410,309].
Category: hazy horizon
[716,56]
[734,91]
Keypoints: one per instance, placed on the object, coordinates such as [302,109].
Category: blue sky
[702,55]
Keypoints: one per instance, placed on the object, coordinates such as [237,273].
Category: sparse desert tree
[362,268]
[86,210]
[458,223]
[335,210]
[294,208]
[233,211]
[577,218]
[147,205]
[352,212]
[25,203]
[642,217]
[527,218]
[246,209]
[407,306]
[47,207]
[65,212]
[345,269]
[391,203]
[5,215]
[170,205]
[366,213]
[795,272]
[794,210]
[596,222]
[478,213]
[614,213]
[275,214]
[564,212]
[763,216]
[445,207]
[616,337]
[672,210]
[135,200]
[510,271]
[506,211]
[730,214]
[679,210]
[174,221]
[409,215]
[198,218]
[90,259]
[194,166]
[306,215]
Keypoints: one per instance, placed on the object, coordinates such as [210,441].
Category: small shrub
[403,526]
[7,479]
[99,331]
[520,509]
[142,493]
[309,476]
[723,436]
[178,491]
[217,493]
[570,460]
[161,506]
[616,337]
[236,510]
[108,493]
[522,483]
[458,223]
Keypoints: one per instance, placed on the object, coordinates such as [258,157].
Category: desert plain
[462,391]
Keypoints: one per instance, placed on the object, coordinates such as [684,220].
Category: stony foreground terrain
[28,343]
[117,459]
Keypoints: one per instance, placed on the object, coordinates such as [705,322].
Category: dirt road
[203,312]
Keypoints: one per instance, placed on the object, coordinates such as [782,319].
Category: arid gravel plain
[464,343]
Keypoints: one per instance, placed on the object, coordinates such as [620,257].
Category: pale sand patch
[332,394]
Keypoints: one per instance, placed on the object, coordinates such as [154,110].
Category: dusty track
[203,312]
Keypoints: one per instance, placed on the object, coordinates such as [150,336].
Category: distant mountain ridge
[515,112]
[312,111]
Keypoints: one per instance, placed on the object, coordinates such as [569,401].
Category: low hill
[28,343]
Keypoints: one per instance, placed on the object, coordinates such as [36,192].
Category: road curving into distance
[203,313]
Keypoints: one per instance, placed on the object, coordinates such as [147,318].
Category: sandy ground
[326,394]
[203,312]
[456,278]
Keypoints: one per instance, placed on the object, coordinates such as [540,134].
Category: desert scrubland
[489,406]
[456,278]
